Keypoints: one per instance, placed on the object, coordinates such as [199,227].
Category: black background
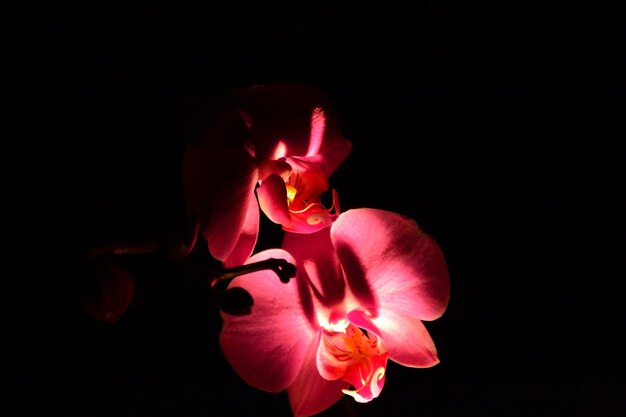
[501,135]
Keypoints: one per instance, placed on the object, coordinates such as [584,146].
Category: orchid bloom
[282,137]
[363,287]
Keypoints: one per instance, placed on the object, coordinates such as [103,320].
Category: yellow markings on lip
[291,192]
[354,340]
[294,186]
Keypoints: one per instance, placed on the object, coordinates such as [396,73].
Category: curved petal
[272,195]
[227,224]
[331,156]
[308,180]
[309,393]
[274,166]
[365,390]
[297,117]
[267,347]
[317,264]
[247,236]
[391,264]
[219,183]
[406,338]
[315,217]
[310,220]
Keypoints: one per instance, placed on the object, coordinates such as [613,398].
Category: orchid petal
[219,183]
[406,338]
[310,221]
[267,347]
[311,181]
[331,156]
[272,195]
[365,390]
[317,264]
[296,118]
[309,393]
[391,264]
[227,224]
[247,236]
[273,166]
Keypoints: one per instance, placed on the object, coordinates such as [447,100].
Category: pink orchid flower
[284,137]
[363,287]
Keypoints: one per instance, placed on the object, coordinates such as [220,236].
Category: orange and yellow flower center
[304,186]
[291,193]
[357,357]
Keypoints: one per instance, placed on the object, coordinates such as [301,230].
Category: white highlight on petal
[318,126]
[249,147]
[280,150]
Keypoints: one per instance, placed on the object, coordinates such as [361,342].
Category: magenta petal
[296,116]
[406,338]
[391,264]
[272,166]
[219,183]
[280,112]
[309,393]
[334,155]
[331,156]
[272,195]
[317,264]
[247,237]
[311,181]
[227,224]
[310,221]
[267,347]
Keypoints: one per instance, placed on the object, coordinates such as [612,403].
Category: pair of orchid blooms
[363,281]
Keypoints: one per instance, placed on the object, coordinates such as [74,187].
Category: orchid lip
[309,207]
[356,356]
[319,212]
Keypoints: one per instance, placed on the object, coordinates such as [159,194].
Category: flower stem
[123,249]
[237,301]
[281,267]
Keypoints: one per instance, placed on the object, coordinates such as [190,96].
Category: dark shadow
[304,293]
[354,272]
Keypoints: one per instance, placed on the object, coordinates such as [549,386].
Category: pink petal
[297,116]
[309,393]
[332,360]
[407,340]
[366,391]
[272,195]
[331,155]
[310,221]
[315,217]
[279,112]
[219,184]
[247,237]
[310,179]
[267,347]
[391,264]
[272,166]
[317,264]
